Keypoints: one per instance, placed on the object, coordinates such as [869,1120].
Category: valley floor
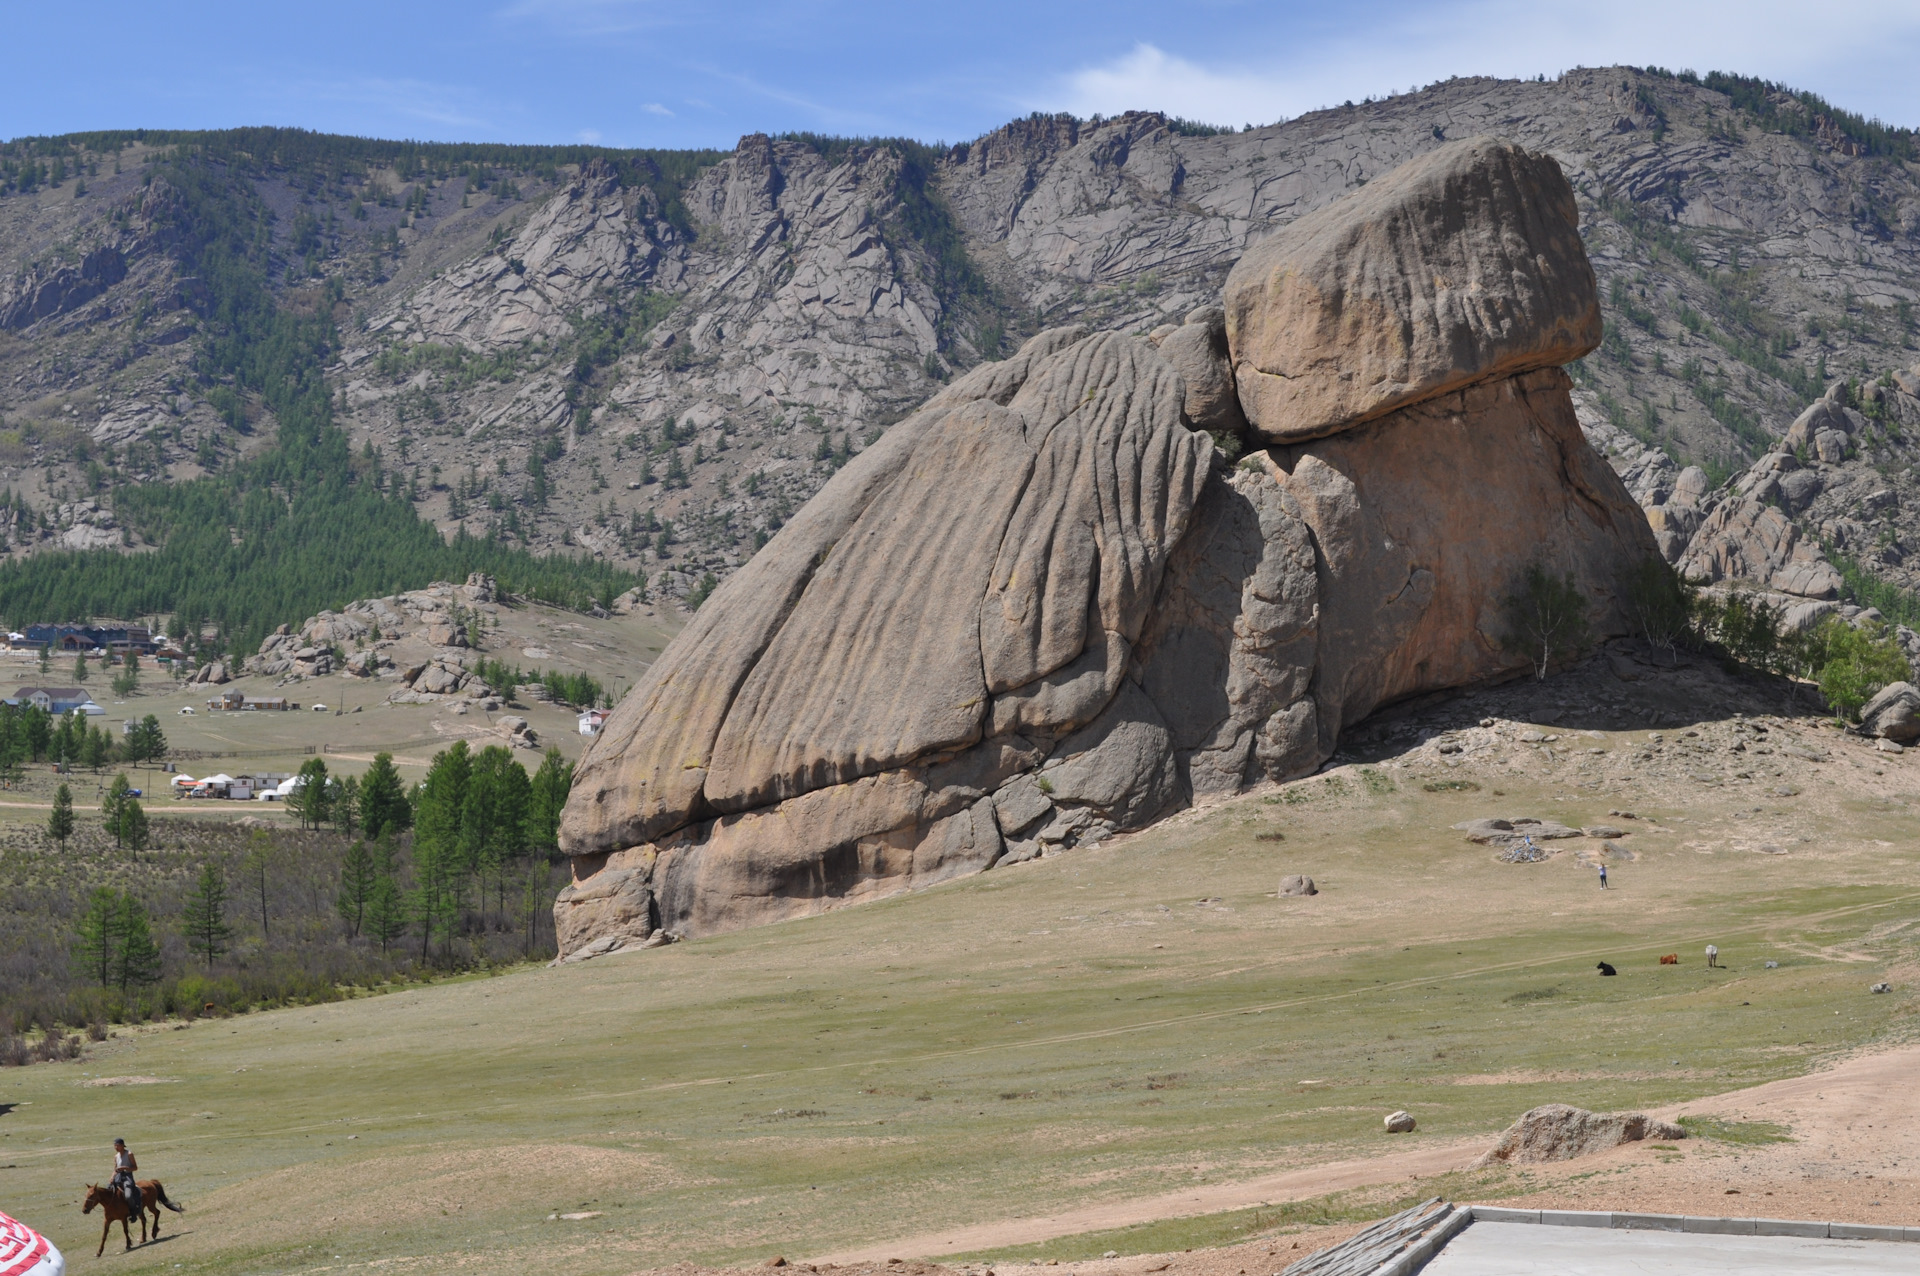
[1140,1041]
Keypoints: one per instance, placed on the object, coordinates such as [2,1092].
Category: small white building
[592,720]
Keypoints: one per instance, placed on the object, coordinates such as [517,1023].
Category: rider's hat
[121,1142]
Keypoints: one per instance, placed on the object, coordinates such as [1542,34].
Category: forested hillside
[284,369]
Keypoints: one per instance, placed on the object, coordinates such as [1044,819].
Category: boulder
[1559,1132]
[1748,541]
[1400,1123]
[1043,609]
[1462,266]
[438,680]
[446,636]
[1893,714]
[1198,351]
[1297,884]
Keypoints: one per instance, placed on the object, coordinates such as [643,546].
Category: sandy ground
[1855,1156]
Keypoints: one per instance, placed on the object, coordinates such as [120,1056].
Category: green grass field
[1076,1029]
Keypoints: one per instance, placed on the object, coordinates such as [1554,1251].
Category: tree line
[468,850]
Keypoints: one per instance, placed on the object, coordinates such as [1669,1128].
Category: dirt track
[1855,1156]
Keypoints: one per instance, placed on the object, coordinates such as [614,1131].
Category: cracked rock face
[1043,609]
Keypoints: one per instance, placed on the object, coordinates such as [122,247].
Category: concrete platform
[1530,1249]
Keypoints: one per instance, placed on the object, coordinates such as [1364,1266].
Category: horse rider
[124,1168]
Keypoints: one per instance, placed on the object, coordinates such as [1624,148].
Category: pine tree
[547,798]
[357,882]
[204,919]
[258,867]
[60,822]
[439,850]
[308,800]
[383,799]
[386,916]
[46,659]
[80,667]
[97,749]
[137,959]
[494,819]
[97,938]
[110,807]
[343,804]
[134,826]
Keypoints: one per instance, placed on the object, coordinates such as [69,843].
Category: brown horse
[113,1206]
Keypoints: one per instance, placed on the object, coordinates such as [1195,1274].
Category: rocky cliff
[692,356]
[1046,607]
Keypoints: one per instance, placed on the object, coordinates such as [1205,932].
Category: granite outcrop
[1048,607]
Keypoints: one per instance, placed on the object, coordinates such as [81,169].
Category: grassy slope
[1070,1030]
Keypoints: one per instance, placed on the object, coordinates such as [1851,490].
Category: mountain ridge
[653,358]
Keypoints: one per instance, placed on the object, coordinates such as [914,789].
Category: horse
[113,1205]
[1671,959]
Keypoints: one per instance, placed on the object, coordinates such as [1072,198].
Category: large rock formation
[1044,609]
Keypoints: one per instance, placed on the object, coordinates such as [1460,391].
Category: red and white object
[25,1252]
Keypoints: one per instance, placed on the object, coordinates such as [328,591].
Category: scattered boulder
[446,636]
[518,732]
[1893,714]
[1400,1123]
[1881,988]
[1560,1132]
[214,672]
[1298,884]
[1502,832]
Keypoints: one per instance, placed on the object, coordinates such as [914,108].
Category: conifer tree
[134,826]
[136,960]
[60,822]
[547,798]
[386,915]
[258,866]
[204,919]
[308,800]
[97,937]
[111,805]
[357,882]
[383,799]
[80,667]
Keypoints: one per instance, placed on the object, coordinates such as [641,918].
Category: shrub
[1662,603]
[1546,619]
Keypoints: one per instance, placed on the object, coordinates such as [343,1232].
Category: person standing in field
[1603,877]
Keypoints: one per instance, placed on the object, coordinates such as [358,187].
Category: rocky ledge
[1047,607]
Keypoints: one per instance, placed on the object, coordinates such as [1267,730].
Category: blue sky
[650,73]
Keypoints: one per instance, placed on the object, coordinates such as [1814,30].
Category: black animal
[1606,970]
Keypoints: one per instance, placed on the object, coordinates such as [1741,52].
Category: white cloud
[654,108]
[1521,38]
[591,136]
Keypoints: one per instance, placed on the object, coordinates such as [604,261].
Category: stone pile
[1045,608]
